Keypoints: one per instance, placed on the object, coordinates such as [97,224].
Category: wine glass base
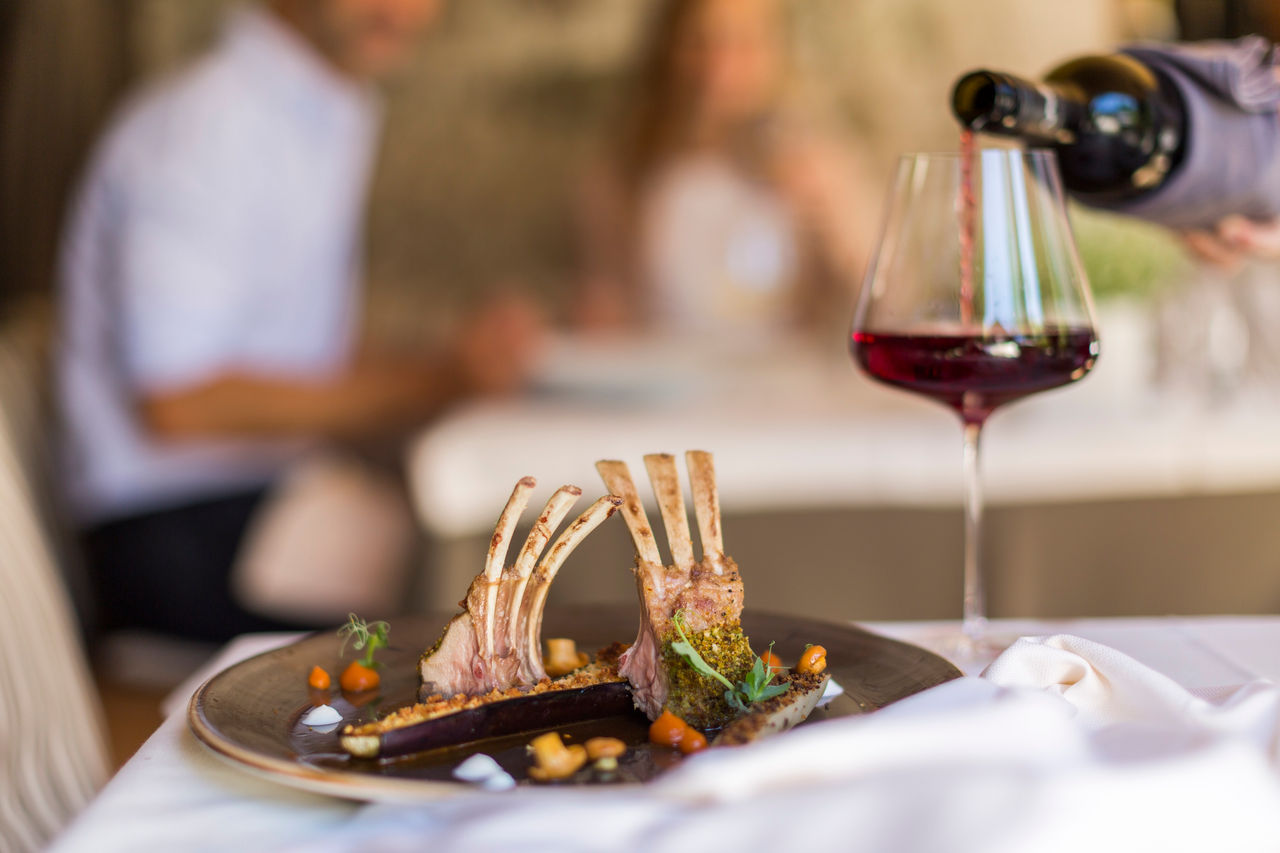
[971,655]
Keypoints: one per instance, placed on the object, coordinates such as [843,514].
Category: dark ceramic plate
[250,713]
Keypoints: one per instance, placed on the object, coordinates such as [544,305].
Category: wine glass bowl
[975,297]
[976,373]
[990,256]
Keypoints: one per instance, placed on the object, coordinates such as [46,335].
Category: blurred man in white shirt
[209,299]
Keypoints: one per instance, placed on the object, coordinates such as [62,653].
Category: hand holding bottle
[1235,240]
[1186,135]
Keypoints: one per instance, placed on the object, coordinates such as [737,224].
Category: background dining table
[798,426]
[1113,497]
[175,794]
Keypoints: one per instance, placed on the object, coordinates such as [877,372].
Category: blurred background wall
[485,134]
[63,65]
[487,128]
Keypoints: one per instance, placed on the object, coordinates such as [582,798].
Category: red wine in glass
[975,374]
[975,298]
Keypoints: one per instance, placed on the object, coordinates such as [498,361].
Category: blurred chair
[53,755]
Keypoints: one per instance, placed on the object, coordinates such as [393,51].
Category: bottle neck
[998,103]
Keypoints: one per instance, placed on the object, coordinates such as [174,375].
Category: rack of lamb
[485,675]
[701,598]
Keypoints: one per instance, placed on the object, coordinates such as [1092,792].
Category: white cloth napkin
[1062,745]
[1122,700]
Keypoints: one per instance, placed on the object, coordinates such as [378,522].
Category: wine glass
[975,298]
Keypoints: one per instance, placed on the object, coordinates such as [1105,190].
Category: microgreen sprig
[369,636]
[755,688]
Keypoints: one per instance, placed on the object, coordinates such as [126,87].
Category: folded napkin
[1062,745]
[1114,694]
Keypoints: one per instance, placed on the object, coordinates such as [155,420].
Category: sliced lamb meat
[495,643]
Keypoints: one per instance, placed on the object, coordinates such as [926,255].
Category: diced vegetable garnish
[319,679]
[357,678]
[554,759]
[604,747]
[563,657]
[813,660]
[668,729]
[693,741]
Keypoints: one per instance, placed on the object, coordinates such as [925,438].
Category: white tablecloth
[175,795]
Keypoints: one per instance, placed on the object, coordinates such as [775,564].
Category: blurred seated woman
[719,211]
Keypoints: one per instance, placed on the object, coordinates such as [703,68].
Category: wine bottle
[1148,131]
[1117,125]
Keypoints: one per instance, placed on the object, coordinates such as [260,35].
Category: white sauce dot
[482,770]
[477,768]
[322,715]
[500,781]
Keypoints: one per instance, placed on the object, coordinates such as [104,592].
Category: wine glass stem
[975,609]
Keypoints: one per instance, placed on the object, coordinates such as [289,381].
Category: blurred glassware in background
[1217,337]
[1181,335]
[1260,300]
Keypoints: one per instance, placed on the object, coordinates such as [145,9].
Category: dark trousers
[170,571]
